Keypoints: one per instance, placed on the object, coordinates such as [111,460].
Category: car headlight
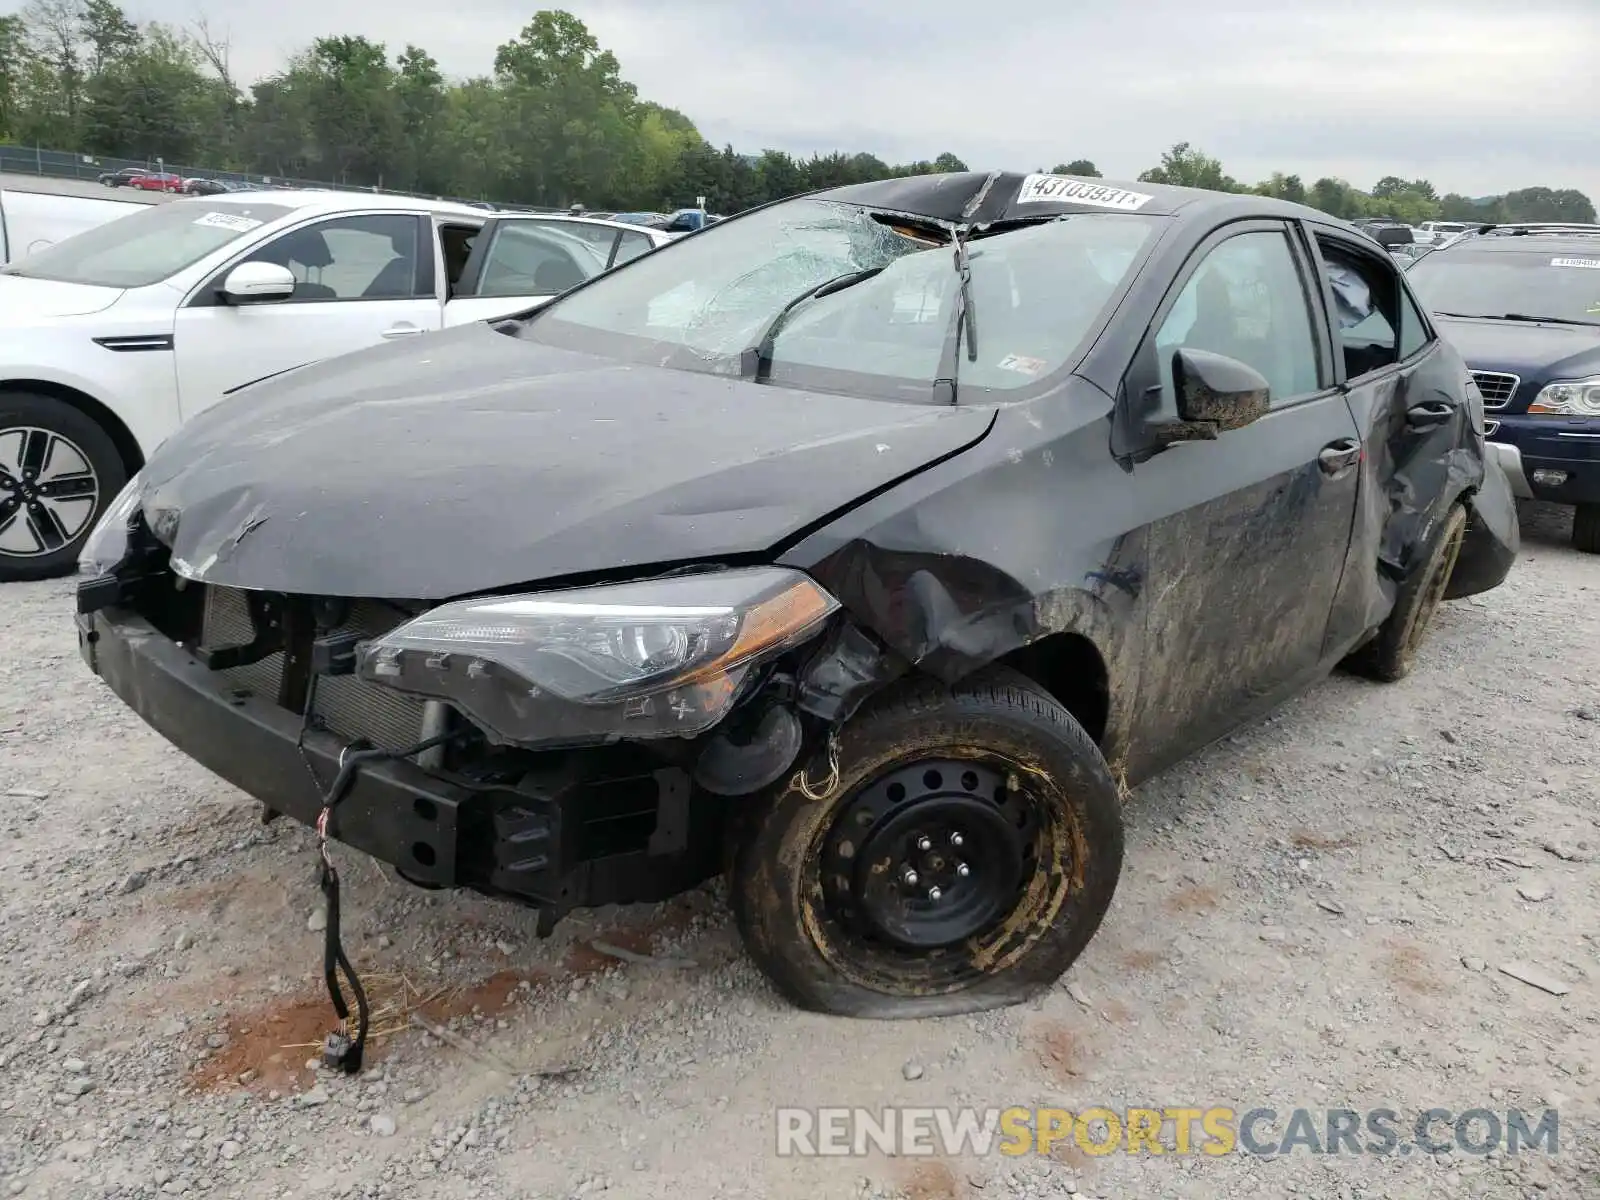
[1572,398]
[107,543]
[657,658]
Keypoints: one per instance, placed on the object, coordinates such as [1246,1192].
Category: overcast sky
[1479,96]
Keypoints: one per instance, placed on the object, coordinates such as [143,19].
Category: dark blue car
[1522,305]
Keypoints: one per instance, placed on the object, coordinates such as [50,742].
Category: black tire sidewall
[774,869]
[1393,653]
[46,412]
[1586,528]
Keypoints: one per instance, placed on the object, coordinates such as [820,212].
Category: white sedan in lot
[115,336]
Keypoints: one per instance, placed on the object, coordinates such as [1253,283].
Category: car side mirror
[257,283]
[1215,394]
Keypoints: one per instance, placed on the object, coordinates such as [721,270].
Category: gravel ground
[1314,913]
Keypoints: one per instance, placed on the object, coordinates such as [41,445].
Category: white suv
[1439,234]
[115,336]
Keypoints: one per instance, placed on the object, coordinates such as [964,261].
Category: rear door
[518,263]
[1246,558]
[362,279]
[1409,405]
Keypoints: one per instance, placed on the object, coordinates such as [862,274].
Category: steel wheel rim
[1048,859]
[49,492]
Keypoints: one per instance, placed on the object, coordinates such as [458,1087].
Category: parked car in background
[1522,304]
[534,258]
[31,221]
[204,187]
[123,177]
[822,550]
[157,181]
[654,220]
[116,336]
[1440,233]
[690,220]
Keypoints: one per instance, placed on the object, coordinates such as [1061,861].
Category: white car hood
[26,301]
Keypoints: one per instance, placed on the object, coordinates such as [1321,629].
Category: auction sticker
[233,221]
[1022,364]
[1060,189]
[1592,263]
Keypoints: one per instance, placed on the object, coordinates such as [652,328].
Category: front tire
[1586,528]
[1390,656]
[58,471]
[956,852]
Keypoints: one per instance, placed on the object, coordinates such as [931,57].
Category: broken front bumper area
[567,833]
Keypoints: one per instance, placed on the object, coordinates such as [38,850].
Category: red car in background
[157,182]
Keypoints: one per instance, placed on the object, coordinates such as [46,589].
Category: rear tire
[994,793]
[58,472]
[1586,528]
[1390,655]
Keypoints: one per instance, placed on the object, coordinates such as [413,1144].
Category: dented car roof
[981,197]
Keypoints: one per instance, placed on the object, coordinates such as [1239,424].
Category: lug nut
[963,870]
[956,839]
[934,894]
[910,878]
[924,843]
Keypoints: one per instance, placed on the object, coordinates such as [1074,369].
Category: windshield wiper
[966,321]
[1550,320]
[755,361]
[1516,317]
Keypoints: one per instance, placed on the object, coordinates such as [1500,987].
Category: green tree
[1284,187]
[1546,204]
[948,164]
[1185,166]
[1080,167]
[15,56]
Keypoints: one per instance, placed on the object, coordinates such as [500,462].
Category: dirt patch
[1117,1012]
[933,1181]
[1143,960]
[1194,898]
[1410,969]
[269,1046]
[1058,1051]
[582,959]
[268,1049]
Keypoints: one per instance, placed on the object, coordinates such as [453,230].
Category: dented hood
[469,460]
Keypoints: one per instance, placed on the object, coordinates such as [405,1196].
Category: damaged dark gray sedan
[865,547]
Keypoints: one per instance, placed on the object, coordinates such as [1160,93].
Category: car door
[361,279]
[518,263]
[1406,399]
[1250,530]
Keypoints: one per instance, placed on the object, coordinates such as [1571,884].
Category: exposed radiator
[350,707]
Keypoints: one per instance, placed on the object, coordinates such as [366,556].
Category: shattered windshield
[702,304]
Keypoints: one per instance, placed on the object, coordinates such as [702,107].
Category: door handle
[1429,414]
[400,331]
[1337,457]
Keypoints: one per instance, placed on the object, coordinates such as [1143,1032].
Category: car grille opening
[1497,387]
[350,707]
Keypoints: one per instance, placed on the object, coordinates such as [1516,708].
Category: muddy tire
[1586,528]
[1391,654]
[58,471]
[956,852]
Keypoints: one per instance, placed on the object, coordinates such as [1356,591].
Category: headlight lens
[658,658]
[1574,398]
[107,544]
